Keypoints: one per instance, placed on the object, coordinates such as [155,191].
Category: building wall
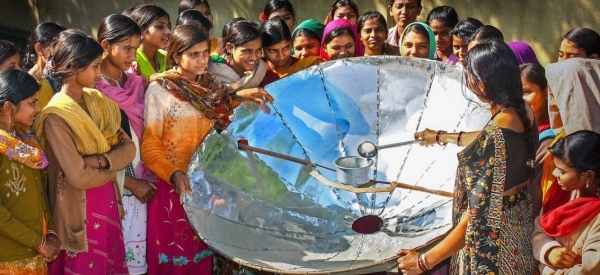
[539,22]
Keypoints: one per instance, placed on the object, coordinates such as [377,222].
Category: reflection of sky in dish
[321,114]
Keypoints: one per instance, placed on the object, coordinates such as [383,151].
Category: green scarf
[431,38]
[312,25]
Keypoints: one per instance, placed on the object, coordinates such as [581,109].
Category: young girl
[80,129]
[280,9]
[199,5]
[418,40]
[343,9]
[119,37]
[460,37]
[580,42]
[206,21]
[307,38]
[178,115]
[372,28]
[442,20]
[565,240]
[39,48]
[277,47]
[37,54]
[9,56]
[535,93]
[239,64]
[485,32]
[492,208]
[404,13]
[156,31]
[26,226]
[340,40]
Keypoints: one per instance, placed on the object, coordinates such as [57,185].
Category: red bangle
[438,137]
[459,138]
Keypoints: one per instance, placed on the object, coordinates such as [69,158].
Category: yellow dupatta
[302,64]
[548,168]
[94,133]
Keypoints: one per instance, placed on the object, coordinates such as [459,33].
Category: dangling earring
[9,115]
[587,183]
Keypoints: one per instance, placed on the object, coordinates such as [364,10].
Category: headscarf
[359,47]
[523,52]
[312,25]
[429,32]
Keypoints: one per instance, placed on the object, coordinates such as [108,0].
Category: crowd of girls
[96,138]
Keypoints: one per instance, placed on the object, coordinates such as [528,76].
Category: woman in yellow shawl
[80,130]
[277,47]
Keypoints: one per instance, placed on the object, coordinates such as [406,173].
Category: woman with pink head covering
[341,40]
[523,52]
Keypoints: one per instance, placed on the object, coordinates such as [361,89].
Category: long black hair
[44,33]
[466,28]
[73,51]
[580,150]
[445,14]
[493,64]
[274,31]
[239,32]
[486,32]
[190,4]
[274,5]
[534,73]
[585,39]
[116,27]
[196,18]
[16,85]
[145,14]
[7,50]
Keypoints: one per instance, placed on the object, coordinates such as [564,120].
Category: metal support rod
[245,147]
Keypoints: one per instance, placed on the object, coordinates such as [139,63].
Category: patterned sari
[498,236]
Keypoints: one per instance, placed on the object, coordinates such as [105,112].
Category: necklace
[116,81]
[81,101]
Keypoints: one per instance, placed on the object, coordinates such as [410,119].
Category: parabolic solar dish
[277,215]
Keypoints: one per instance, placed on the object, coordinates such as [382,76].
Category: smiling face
[158,33]
[11,63]
[246,56]
[193,61]
[373,34]
[285,15]
[459,48]
[306,46]
[404,12]
[443,40]
[279,54]
[89,76]
[26,111]
[415,45]
[122,54]
[345,12]
[341,47]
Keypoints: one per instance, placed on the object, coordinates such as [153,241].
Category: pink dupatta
[130,99]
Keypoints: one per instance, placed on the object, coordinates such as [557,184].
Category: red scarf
[570,216]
